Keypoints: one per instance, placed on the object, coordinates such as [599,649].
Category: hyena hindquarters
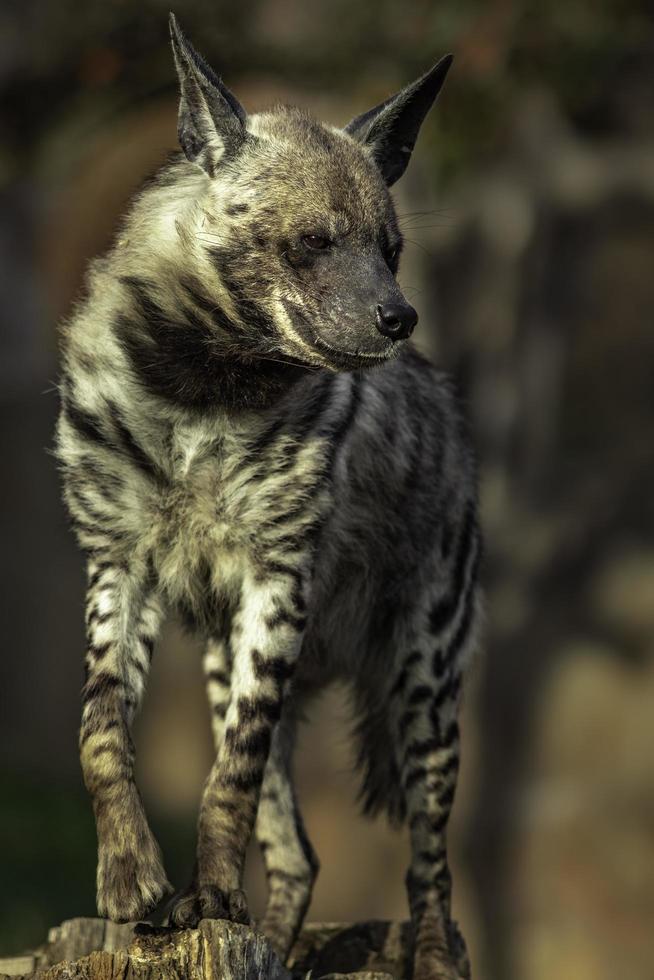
[416,541]
[393,611]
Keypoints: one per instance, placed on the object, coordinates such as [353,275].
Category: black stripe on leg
[291,879]
[401,680]
[446,798]
[97,727]
[272,568]
[242,782]
[253,709]
[94,579]
[439,662]
[99,650]
[218,677]
[450,735]
[229,806]
[431,824]
[419,695]
[283,617]
[419,748]
[406,720]
[431,857]
[96,618]
[256,743]
[443,694]
[100,685]
[416,775]
[277,669]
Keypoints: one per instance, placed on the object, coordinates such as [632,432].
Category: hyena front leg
[123,618]
[290,861]
[265,641]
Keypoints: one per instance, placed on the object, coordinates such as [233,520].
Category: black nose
[396,320]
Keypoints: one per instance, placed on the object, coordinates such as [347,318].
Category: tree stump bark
[95,949]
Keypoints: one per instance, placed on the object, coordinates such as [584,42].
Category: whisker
[427,251]
[424,214]
[419,225]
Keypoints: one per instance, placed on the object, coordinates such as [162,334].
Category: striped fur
[228,453]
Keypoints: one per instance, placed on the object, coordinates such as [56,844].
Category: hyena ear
[211,121]
[390,129]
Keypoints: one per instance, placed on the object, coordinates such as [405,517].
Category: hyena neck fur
[167,325]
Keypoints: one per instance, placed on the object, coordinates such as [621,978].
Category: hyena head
[297,217]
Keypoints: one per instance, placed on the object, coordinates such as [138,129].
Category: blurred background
[528,212]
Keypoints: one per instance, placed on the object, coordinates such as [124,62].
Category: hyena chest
[224,518]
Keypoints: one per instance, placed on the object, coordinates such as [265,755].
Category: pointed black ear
[211,121]
[390,129]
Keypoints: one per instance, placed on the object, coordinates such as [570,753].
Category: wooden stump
[94,949]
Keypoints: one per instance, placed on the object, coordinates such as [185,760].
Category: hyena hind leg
[429,763]
[426,697]
[290,861]
[217,667]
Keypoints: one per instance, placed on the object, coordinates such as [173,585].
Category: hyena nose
[396,320]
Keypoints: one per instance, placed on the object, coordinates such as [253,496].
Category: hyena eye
[393,258]
[317,242]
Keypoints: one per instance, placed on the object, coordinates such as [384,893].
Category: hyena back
[247,438]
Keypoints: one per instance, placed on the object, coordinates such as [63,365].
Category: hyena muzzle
[247,438]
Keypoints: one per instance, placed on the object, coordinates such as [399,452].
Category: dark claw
[238,907]
[213,902]
[185,912]
[208,902]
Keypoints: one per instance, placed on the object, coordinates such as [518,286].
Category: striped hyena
[246,437]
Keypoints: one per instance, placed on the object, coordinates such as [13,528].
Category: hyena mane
[247,437]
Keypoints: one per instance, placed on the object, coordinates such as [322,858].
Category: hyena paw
[433,962]
[436,968]
[439,957]
[130,884]
[281,926]
[208,902]
[458,948]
